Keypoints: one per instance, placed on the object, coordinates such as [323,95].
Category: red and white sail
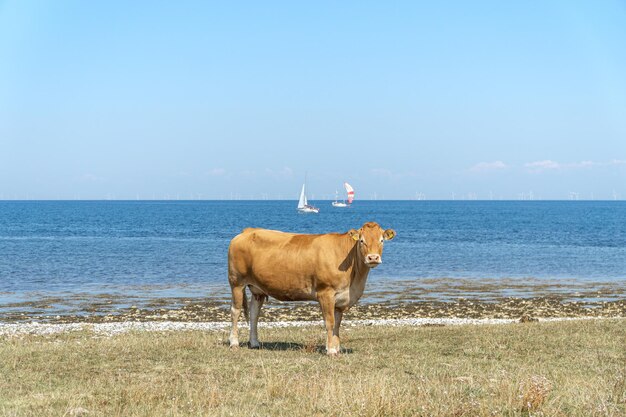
[350,192]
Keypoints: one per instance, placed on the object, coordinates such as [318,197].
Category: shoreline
[203,310]
[383,299]
[213,315]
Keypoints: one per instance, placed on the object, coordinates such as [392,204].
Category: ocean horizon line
[292,199]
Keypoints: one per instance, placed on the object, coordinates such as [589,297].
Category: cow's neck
[359,269]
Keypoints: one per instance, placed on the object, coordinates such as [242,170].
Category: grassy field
[551,369]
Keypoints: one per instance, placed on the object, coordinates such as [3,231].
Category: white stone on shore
[110,329]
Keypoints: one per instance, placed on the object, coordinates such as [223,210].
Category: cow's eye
[363,242]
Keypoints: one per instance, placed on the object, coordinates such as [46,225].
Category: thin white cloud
[539,166]
[583,164]
[217,172]
[488,166]
[542,165]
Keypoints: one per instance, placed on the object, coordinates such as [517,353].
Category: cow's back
[286,266]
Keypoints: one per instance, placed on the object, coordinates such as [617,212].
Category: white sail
[302,202]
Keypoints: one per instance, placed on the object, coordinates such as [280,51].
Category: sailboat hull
[308,210]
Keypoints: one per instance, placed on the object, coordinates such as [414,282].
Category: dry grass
[550,369]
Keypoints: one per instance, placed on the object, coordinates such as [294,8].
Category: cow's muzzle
[373,260]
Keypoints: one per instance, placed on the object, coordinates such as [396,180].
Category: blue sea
[178,248]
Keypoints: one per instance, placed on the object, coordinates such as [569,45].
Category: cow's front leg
[327,302]
[338,317]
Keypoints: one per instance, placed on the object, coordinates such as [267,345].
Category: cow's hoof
[234,346]
[332,352]
[254,346]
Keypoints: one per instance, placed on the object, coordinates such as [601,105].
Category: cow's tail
[245,305]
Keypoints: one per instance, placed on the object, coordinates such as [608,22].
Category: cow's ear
[353,234]
[389,234]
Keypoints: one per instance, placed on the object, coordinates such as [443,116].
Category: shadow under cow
[292,346]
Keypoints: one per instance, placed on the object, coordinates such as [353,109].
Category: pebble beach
[111,329]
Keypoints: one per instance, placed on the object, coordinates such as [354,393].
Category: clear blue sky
[123,99]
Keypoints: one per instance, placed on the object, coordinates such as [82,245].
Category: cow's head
[370,239]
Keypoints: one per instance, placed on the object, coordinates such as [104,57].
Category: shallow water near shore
[95,258]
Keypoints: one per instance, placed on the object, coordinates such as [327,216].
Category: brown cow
[330,268]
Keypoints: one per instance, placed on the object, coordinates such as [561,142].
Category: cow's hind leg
[235,311]
[327,302]
[256,302]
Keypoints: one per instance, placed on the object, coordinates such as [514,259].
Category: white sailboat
[350,192]
[338,203]
[303,204]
